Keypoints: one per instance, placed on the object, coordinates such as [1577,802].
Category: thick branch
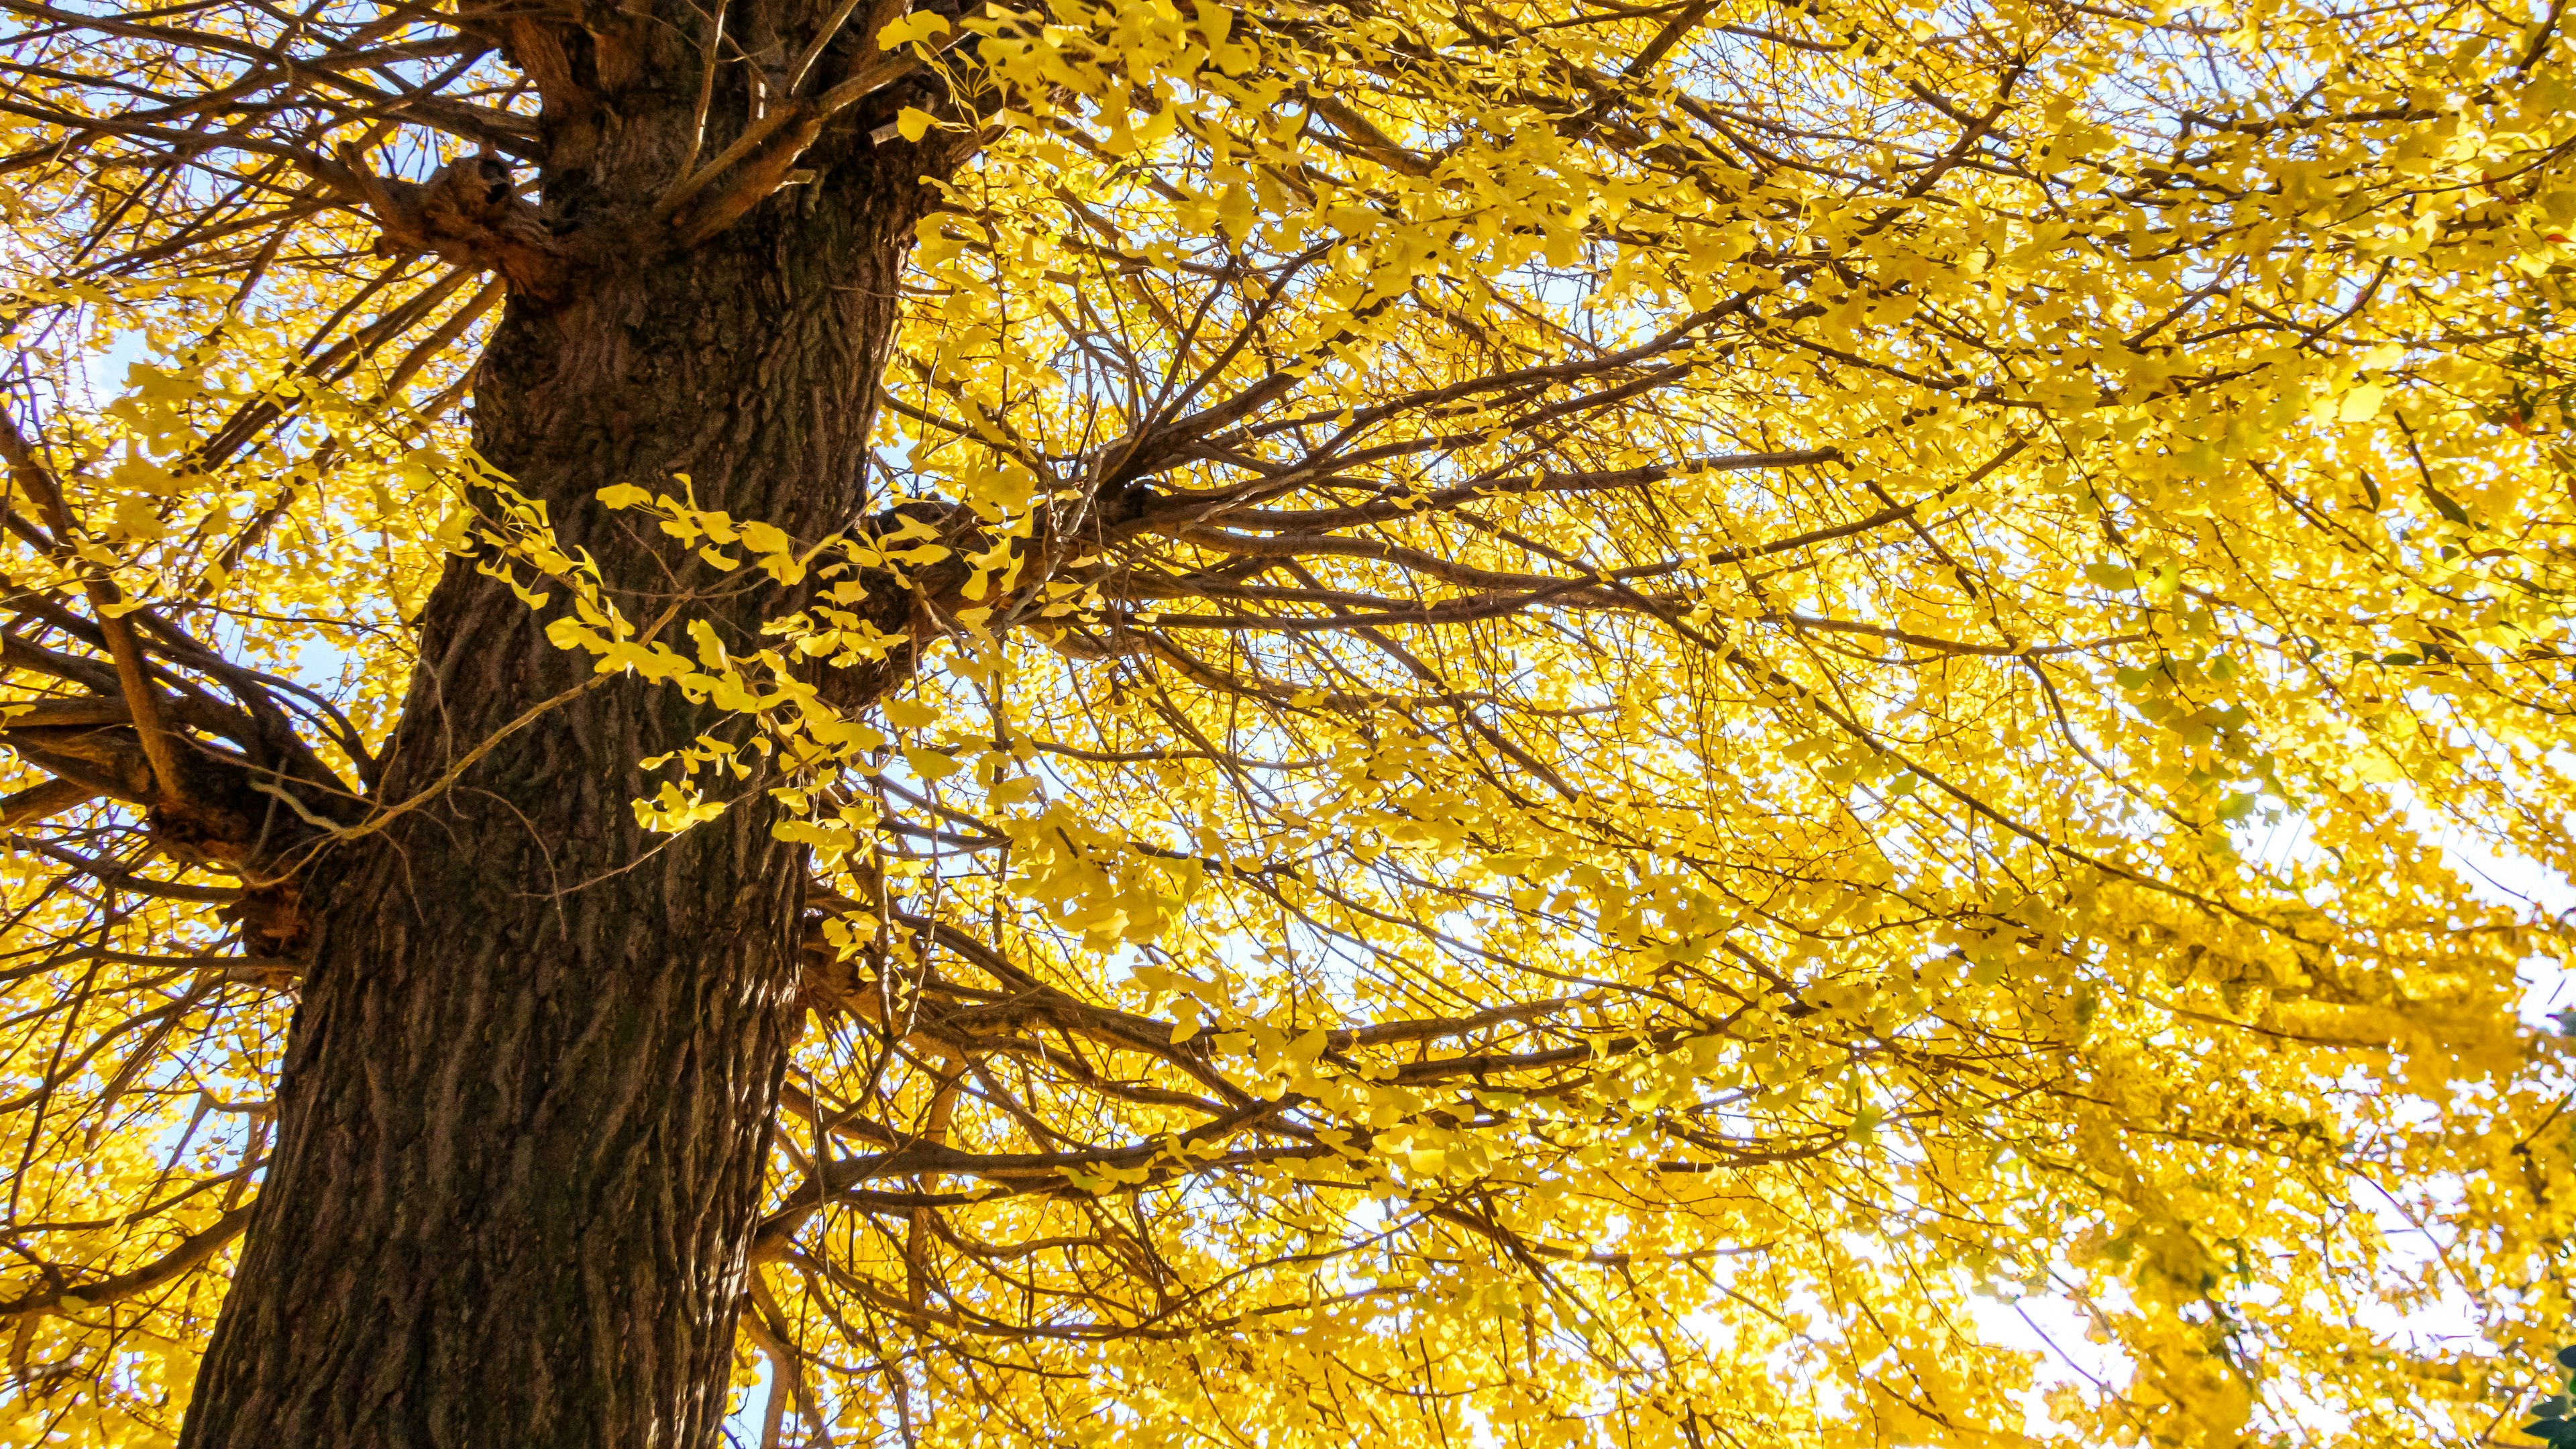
[194,1249]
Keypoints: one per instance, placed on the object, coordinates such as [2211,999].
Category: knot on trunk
[468,211]
[274,929]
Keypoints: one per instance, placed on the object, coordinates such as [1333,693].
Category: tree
[1329,722]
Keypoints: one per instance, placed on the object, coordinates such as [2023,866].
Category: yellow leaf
[903,30]
[929,764]
[910,714]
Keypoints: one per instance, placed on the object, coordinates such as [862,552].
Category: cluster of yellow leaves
[1916,890]
[1985,849]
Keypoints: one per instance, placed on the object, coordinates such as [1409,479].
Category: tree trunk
[528,1093]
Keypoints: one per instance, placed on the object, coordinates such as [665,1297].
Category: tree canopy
[1547,724]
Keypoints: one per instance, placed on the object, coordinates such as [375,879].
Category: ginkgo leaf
[2361,404]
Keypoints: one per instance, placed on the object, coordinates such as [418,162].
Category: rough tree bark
[529,1087]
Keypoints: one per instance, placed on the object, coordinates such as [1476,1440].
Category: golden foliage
[1627,713]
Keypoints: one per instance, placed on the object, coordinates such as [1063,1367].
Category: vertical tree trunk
[529,1089]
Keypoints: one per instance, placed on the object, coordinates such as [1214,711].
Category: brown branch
[159,747]
[194,1249]
[769,148]
[40,801]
